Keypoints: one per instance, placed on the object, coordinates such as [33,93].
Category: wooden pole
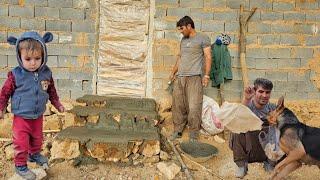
[243,20]
[183,165]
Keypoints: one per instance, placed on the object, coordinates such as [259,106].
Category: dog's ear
[280,105]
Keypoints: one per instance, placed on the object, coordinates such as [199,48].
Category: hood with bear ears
[47,37]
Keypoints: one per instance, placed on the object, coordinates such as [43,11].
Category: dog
[301,143]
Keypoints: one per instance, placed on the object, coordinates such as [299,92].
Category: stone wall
[282,43]
[72,52]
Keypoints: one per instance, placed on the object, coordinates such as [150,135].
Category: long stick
[202,167]
[184,167]
[243,20]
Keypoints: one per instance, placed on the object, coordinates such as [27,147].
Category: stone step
[116,102]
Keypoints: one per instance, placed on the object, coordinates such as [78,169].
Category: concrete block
[90,14]
[179,12]
[265,63]
[232,27]
[303,28]
[74,94]
[295,16]
[36,2]
[81,50]
[281,28]
[283,6]
[197,13]
[307,5]
[235,4]
[87,4]
[261,4]
[81,75]
[26,11]
[10,22]
[251,39]
[277,76]
[47,12]
[4,10]
[3,37]
[167,2]
[52,61]
[214,3]
[296,95]
[71,14]
[173,35]
[284,63]
[312,40]
[160,12]
[212,26]
[286,86]
[302,52]
[60,3]
[69,84]
[251,62]
[279,53]
[68,61]
[58,25]
[12,2]
[3,61]
[191,3]
[211,92]
[60,73]
[313,16]
[257,52]
[58,49]
[306,86]
[259,28]
[237,74]
[83,26]
[161,24]
[232,95]
[159,35]
[87,85]
[169,61]
[297,76]
[235,85]
[33,24]
[271,16]
[254,74]
[226,16]
[157,62]
[269,39]
[12,61]
[256,17]
[7,50]
[291,40]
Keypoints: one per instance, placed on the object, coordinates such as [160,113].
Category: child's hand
[61,109]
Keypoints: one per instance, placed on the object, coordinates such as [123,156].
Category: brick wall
[282,43]
[72,52]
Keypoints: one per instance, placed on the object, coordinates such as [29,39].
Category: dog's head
[282,115]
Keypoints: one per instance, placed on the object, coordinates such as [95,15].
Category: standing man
[190,74]
[246,146]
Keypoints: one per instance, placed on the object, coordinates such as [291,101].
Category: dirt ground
[222,165]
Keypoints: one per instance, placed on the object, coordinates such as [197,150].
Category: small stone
[52,122]
[150,148]
[93,119]
[153,159]
[65,149]
[164,156]
[218,139]
[169,170]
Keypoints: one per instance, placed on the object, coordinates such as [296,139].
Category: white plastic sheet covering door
[123,47]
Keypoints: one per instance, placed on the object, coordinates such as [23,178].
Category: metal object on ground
[198,151]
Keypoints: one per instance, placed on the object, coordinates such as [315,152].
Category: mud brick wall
[72,52]
[282,43]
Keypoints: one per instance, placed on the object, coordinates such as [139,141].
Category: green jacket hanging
[221,64]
